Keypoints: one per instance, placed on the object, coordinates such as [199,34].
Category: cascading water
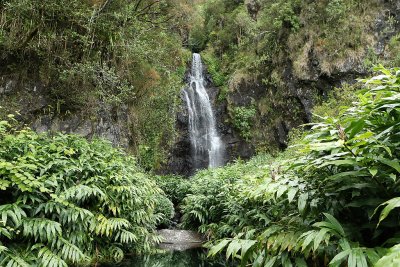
[205,141]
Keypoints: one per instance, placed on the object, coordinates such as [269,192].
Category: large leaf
[392,163]
[355,127]
[390,205]
[218,247]
[339,258]
[302,202]
[391,259]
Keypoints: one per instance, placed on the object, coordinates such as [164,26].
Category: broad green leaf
[391,259]
[339,258]
[355,127]
[291,194]
[217,248]
[390,205]
[246,250]
[270,262]
[319,237]
[392,163]
[361,260]
[373,257]
[347,174]
[373,171]
[352,259]
[233,248]
[335,224]
[339,162]
[302,202]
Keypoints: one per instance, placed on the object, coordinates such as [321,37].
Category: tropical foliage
[92,57]
[329,200]
[66,201]
[282,55]
[175,187]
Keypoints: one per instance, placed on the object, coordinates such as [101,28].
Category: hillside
[268,127]
[114,70]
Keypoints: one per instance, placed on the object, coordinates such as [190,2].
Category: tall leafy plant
[331,204]
[66,201]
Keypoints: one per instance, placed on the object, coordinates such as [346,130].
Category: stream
[188,258]
[182,248]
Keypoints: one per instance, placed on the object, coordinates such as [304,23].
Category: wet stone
[179,240]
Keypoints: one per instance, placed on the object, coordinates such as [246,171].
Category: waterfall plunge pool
[189,258]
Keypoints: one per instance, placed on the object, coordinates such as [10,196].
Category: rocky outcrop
[180,159]
[253,6]
[285,90]
[179,240]
[24,92]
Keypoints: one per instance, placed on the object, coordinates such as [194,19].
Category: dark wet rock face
[23,91]
[181,160]
[253,7]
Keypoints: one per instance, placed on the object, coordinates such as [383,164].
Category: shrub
[175,187]
[66,201]
[165,209]
[332,203]
[338,101]
[214,68]
[335,10]
[243,118]
[394,50]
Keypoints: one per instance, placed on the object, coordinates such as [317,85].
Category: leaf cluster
[66,201]
[332,201]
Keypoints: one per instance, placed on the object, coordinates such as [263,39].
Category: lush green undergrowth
[93,56]
[66,201]
[329,200]
[269,47]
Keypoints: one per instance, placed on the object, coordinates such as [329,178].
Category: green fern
[12,213]
[49,259]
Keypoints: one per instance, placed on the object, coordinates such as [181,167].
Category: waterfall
[205,141]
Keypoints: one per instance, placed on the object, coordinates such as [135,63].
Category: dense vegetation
[329,199]
[291,49]
[94,57]
[66,201]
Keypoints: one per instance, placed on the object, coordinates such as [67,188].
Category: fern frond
[49,259]
[48,208]
[107,226]
[12,260]
[41,229]
[70,252]
[81,192]
[72,213]
[125,237]
[12,212]
[117,253]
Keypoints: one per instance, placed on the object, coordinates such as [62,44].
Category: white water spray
[202,127]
